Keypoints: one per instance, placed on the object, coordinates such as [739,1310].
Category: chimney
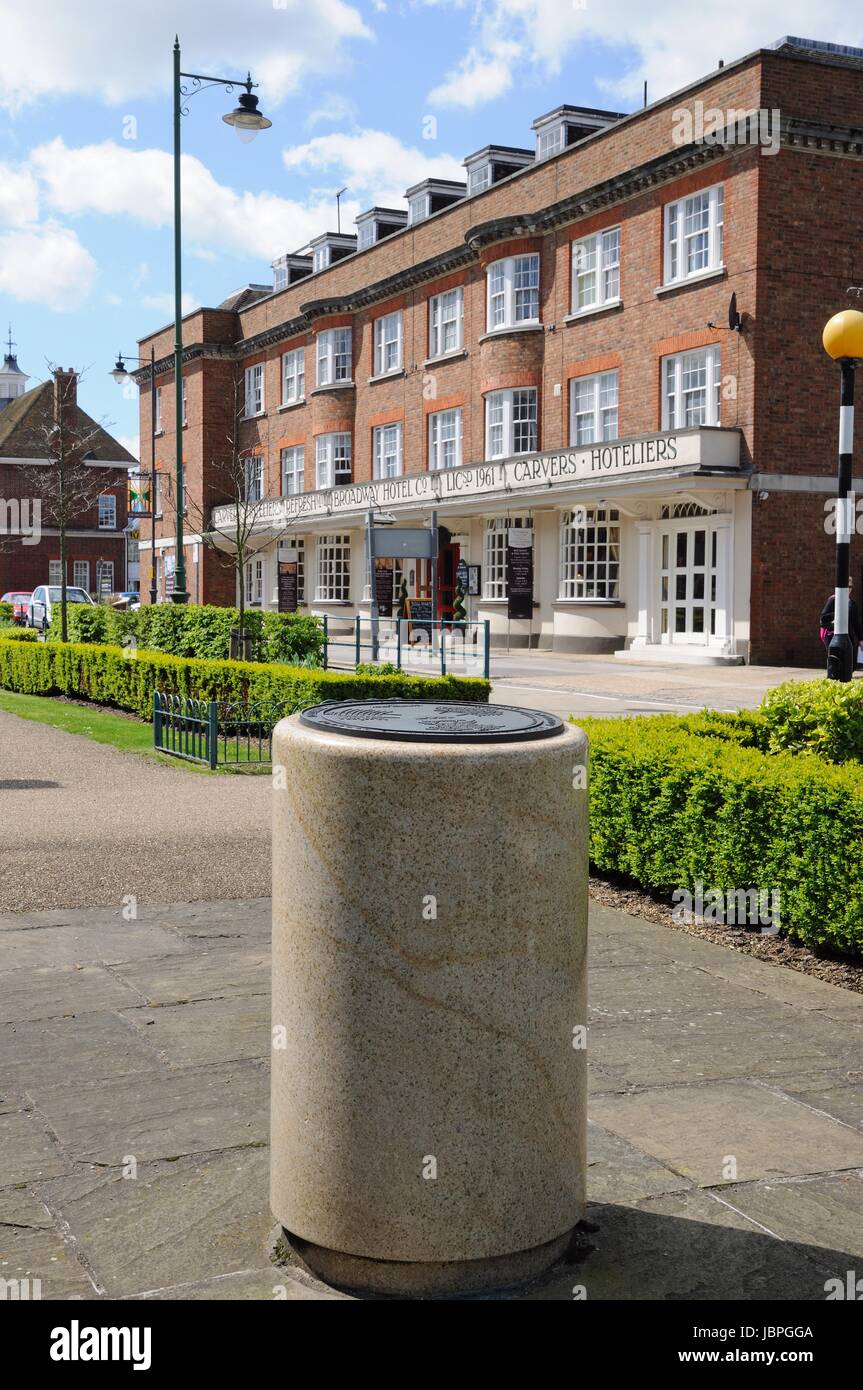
[65,394]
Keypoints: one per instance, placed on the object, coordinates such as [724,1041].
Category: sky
[372,96]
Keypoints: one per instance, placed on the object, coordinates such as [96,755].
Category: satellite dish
[733,316]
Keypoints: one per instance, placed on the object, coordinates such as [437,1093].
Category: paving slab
[647,990]
[618,1170]
[82,942]
[700,1131]
[96,1045]
[64,991]
[176,1223]
[237,919]
[819,1212]
[836,1093]
[688,1245]
[187,1112]
[269,1285]
[27,1150]
[208,1030]
[32,1248]
[208,974]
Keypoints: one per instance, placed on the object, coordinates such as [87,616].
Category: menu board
[420,616]
[288,600]
[384,587]
[519,572]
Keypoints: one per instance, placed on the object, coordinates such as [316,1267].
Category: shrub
[670,806]
[19,634]
[6,611]
[198,630]
[110,676]
[820,716]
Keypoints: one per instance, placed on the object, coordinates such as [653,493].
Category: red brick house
[29,542]
[551,347]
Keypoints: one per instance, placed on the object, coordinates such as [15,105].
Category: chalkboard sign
[420,618]
[384,587]
[462,574]
[519,573]
[288,574]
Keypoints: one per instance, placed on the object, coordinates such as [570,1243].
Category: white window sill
[589,603]
[255,416]
[387,477]
[292,405]
[446,357]
[512,328]
[592,310]
[392,375]
[717,274]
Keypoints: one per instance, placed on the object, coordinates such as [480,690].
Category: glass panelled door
[688,584]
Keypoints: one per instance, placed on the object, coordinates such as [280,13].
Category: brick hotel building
[547,346]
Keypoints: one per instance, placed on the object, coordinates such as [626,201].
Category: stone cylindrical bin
[429,999]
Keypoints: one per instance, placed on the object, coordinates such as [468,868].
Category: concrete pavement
[726,1153]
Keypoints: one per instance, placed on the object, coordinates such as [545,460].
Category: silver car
[43,599]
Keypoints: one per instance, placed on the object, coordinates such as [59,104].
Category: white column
[646,584]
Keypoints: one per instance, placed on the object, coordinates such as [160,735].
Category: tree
[459,613]
[238,485]
[68,486]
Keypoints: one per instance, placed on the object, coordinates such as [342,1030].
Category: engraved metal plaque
[431,721]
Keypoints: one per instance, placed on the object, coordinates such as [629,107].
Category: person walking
[855,629]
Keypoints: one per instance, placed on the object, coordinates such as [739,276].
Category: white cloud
[533,38]
[164,303]
[123,52]
[19,197]
[46,264]
[131,442]
[332,107]
[113,180]
[376,167]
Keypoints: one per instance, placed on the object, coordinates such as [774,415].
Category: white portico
[641,546]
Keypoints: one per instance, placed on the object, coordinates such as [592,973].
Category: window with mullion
[513,292]
[694,234]
[691,389]
[593,408]
[387,440]
[334,352]
[590,553]
[596,270]
[388,344]
[254,383]
[333,459]
[511,422]
[254,471]
[333,578]
[293,469]
[293,376]
[445,439]
[446,322]
[494,568]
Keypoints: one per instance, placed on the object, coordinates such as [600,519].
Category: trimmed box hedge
[126,679]
[197,630]
[675,801]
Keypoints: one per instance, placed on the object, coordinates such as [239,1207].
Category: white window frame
[333,568]
[677,388]
[479,178]
[418,208]
[293,466]
[101,567]
[446,438]
[387,450]
[320,258]
[689,251]
[333,459]
[79,567]
[158,410]
[504,418]
[185,415]
[595,400]
[108,504]
[388,344]
[55,573]
[293,376]
[596,271]
[506,298]
[254,390]
[334,353]
[255,580]
[590,555]
[446,322]
[494,552]
[549,140]
[253,478]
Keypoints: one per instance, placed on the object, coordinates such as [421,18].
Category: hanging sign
[288,579]
[384,572]
[519,572]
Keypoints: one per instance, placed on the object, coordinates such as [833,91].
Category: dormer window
[330,247]
[493,163]
[431,196]
[378,223]
[287,270]
[566,125]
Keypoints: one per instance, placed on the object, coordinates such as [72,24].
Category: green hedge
[820,716]
[19,634]
[111,676]
[6,611]
[197,630]
[673,803]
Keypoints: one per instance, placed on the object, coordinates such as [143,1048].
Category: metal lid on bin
[431,721]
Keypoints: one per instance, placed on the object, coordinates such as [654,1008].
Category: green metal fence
[435,647]
[217,735]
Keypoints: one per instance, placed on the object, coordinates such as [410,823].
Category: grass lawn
[102,726]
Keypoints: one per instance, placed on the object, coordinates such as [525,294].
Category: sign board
[405,542]
[170,566]
[420,616]
[104,580]
[474,580]
[384,578]
[287,585]
[462,575]
[519,572]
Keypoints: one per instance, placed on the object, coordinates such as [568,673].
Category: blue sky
[85,131]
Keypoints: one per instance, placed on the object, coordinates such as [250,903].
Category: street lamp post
[843,341]
[247,121]
[121,375]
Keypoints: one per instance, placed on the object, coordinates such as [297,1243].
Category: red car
[19,599]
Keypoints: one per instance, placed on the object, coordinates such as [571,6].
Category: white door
[689,582]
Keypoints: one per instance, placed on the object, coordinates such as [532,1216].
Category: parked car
[20,600]
[125,600]
[43,599]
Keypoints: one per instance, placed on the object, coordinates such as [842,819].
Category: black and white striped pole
[843,341]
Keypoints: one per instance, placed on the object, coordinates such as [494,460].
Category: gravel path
[83,824]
